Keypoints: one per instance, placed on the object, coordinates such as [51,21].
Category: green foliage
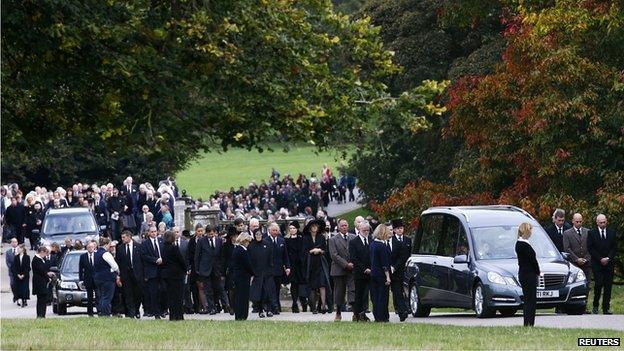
[119,87]
[544,130]
[426,47]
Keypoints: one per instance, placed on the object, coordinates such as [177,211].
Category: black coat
[527,262]
[261,257]
[126,269]
[21,285]
[174,265]
[360,256]
[401,252]
[40,279]
[86,272]
[15,215]
[242,269]
[281,260]
[296,256]
[208,259]
[149,256]
[599,248]
[554,235]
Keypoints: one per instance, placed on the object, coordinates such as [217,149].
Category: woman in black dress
[226,259]
[528,272]
[174,270]
[294,247]
[263,285]
[21,275]
[241,276]
[317,272]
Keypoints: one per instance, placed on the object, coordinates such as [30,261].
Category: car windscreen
[495,243]
[68,223]
[70,264]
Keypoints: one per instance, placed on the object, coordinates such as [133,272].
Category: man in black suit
[41,278]
[182,243]
[152,264]
[557,228]
[359,253]
[194,283]
[86,274]
[281,263]
[400,250]
[128,258]
[210,271]
[601,244]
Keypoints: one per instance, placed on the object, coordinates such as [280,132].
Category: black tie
[560,231]
[91,259]
[212,243]
[365,242]
[579,232]
[602,234]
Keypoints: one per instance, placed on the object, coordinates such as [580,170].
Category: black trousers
[276,295]
[153,297]
[361,295]
[214,286]
[42,304]
[175,295]
[91,297]
[398,293]
[132,295]
[529,290]
[241,298]
[380,295]
[603,279]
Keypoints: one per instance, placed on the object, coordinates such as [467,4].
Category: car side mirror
[460,259]
[566,256]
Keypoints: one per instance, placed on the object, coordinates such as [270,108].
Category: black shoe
[304,308]
[137,316]
[203,312]
[403,316]
[157,316]
[269,314]
[261,315]
[314,312]
[164,315]
[607,312]
[595,310]
[227,309]
[295,308]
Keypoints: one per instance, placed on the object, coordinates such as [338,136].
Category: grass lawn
[350,216]
[94,334]
[238,167]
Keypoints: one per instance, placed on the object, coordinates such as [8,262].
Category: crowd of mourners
[128,207]
[149,262]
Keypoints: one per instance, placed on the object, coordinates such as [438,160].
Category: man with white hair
[356,225]
[359,254]
[602,244]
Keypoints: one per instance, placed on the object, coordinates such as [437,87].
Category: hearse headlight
[69,285]
[496,278]
[578,277]
[511,281]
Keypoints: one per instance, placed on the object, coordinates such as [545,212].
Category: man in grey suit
[575,244]
[341,268]
[10,257]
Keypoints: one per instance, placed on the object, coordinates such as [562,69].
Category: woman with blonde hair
[380,273]
[242,272]
[528,272]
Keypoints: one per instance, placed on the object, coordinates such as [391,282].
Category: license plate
[547,293]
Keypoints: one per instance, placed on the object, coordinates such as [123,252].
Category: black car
[464,257]
[76,223]
[67,290]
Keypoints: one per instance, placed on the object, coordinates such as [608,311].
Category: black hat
[295,224]
[318,222]
[397,223]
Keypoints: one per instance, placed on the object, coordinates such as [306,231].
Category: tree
[544,130]
[428,47]
[94,90]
